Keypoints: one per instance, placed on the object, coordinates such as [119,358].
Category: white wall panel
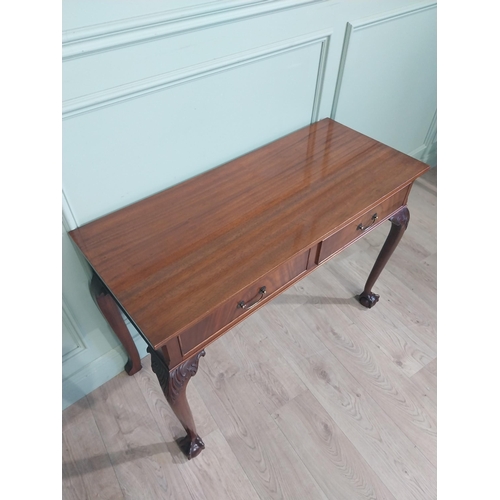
[140,61]
[151,139]
[387,81]
[101,37]
[72,343]
[103,17]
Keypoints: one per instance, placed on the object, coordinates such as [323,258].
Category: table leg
[174,383]
[107,305]
[399,224]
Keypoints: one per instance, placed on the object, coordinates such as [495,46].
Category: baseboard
[418,153]
[430,156]
[95,374]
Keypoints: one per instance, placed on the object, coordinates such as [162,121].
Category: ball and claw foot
[368,299]
[191,448]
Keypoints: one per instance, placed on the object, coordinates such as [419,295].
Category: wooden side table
[189,263]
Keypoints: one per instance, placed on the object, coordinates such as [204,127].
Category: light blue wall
[156,92]
[390,98]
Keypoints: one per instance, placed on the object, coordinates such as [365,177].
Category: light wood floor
[313,397]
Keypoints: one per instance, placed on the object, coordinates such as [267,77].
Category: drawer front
[250,298]
[337,241]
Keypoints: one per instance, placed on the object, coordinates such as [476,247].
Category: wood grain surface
[197,244]
[326,451]
[134,442]
[312,397]
[87,470]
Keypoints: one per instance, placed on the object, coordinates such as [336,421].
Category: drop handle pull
[362,228]
[251,304]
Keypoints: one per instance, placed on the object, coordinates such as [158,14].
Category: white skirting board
[98,372]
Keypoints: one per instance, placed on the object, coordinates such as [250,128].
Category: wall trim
[91,377]
[418,153]
[97,373]
[68,218]
[81,42]
[369,22]
[73,330]
[430,137]
[340,75]
[424,151]
[115,95]
[320,79]
[430,154]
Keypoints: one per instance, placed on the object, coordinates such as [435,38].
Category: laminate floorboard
[312,397]
[404,349]
[270,461]
[400,306]
[390,453]
[393,391]
[327,452]
[87,469]
[140,456]
[426,381]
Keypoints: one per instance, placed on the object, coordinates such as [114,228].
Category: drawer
[248,299]
[370,219]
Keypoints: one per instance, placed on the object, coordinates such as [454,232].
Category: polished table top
[175,256]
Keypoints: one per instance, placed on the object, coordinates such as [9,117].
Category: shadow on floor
[303,300]
[112,459]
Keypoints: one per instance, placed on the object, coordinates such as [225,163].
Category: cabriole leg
[399,224]
[107,305]
[173,384]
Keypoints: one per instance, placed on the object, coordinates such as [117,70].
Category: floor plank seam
[367,390]
[91,407]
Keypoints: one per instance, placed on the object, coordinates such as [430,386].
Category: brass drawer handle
[250,305]
[374,218]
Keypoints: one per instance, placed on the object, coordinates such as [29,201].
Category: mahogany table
[187,264]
